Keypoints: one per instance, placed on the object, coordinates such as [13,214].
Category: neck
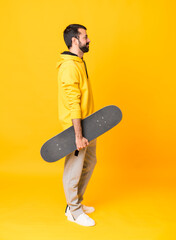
[77,52]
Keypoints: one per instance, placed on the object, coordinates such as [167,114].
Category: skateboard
[93,126]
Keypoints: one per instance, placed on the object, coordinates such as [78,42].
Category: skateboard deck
[92,127]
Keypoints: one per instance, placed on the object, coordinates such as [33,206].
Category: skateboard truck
[76,153]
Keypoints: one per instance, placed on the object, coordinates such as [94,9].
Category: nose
[88,40]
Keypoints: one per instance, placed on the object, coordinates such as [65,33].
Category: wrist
[79,136]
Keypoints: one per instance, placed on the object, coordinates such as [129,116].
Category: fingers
[82,143]
[86,142]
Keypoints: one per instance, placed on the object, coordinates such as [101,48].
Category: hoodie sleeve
[70,85]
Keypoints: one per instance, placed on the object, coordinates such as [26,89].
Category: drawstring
[85,68]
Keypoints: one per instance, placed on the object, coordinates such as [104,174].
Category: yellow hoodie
[75,98]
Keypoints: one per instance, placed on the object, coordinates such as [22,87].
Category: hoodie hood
[65,56]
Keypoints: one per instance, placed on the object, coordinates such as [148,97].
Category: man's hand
[80,141]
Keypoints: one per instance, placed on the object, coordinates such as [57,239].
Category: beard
[84,48]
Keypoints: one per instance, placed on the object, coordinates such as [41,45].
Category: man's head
[75,36]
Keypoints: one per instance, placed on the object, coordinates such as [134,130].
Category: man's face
[83,40]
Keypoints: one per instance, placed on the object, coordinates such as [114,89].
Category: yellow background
[131,63]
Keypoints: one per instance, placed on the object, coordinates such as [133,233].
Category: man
[75,103]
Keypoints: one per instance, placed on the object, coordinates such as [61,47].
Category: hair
[71,31]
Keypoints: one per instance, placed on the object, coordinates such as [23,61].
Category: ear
[74,41]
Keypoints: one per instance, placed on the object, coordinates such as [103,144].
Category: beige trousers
[77,172]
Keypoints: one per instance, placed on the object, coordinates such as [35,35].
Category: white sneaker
[83,219]
[86,209]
